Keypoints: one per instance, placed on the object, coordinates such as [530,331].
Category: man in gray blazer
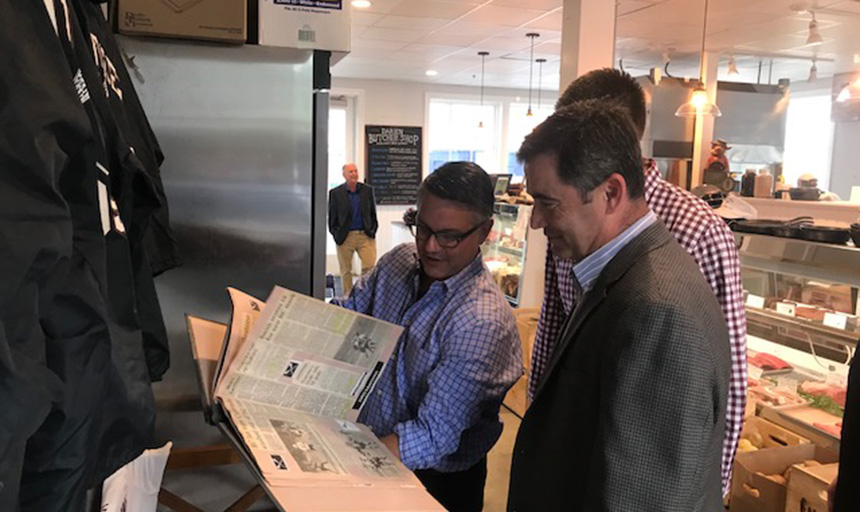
[630,414]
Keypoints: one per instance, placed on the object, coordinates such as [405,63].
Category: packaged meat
[834,429]
[767,362]
[774,396]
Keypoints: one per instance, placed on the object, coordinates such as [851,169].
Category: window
[520,125]
[338,137]
[455,134]
[808,139]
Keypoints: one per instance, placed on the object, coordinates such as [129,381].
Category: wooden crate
[807,487]
[772,435]
[752,491]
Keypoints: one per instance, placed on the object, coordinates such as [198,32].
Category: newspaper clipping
[296,386]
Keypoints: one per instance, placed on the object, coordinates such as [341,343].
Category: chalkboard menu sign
[394,163]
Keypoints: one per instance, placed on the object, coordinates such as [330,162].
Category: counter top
[840,212]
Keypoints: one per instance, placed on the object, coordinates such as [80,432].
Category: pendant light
[699,103]
[483,59]
[540,78]
[532,36]
[733,66]
[814,36]
[813,72]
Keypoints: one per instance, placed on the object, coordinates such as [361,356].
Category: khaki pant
[366,247]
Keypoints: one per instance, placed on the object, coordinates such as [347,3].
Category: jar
[748,183]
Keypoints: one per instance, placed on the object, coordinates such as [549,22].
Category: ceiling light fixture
[814,36]
[361,4]
[813,72]
[540,78]
[733,66]
[699,103]
[431,72]
[483,58]
[532,36]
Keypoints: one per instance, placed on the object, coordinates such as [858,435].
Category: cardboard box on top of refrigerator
[213,20]
[306,24]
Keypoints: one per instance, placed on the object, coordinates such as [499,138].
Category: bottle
[748,183]
[763,184]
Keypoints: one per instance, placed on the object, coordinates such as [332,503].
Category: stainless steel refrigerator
[244,134]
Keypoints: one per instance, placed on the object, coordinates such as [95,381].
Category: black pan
[788,231]
[756,226]
[789,228]
[825,234]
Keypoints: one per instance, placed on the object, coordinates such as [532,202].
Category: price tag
[754,372]
[835,320]
[755,301]
[837,379]
[784,308]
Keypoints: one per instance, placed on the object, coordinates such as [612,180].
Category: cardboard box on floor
[753,492]
[213,20]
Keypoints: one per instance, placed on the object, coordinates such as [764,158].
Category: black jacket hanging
[153,247]
[160,242]
[107,413]
[46,148]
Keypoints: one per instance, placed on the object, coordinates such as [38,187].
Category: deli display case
[504,251]
[802,330]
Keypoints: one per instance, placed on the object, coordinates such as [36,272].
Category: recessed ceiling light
[431,72]
[361,4]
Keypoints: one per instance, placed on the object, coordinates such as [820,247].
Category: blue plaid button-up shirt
[460,353]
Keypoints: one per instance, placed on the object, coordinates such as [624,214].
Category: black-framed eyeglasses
[445,239]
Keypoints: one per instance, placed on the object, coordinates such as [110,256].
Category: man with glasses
[437,403]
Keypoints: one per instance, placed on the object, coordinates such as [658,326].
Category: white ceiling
[401,39]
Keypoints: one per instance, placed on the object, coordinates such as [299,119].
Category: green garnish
[823,402]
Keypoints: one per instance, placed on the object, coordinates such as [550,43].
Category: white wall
[404,104]
[845,170]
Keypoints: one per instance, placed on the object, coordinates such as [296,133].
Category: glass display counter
[504,251]
[802,294]
[802,330]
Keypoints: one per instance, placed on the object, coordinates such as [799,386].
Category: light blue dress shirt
[460,354]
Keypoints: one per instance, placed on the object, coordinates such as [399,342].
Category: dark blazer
[340,215]
[848,488]
[630,415]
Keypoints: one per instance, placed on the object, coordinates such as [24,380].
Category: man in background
[352,222]
[702,233]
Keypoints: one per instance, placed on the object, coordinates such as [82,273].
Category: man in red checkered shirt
[700,231]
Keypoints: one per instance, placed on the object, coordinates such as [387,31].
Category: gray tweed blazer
[630,414]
